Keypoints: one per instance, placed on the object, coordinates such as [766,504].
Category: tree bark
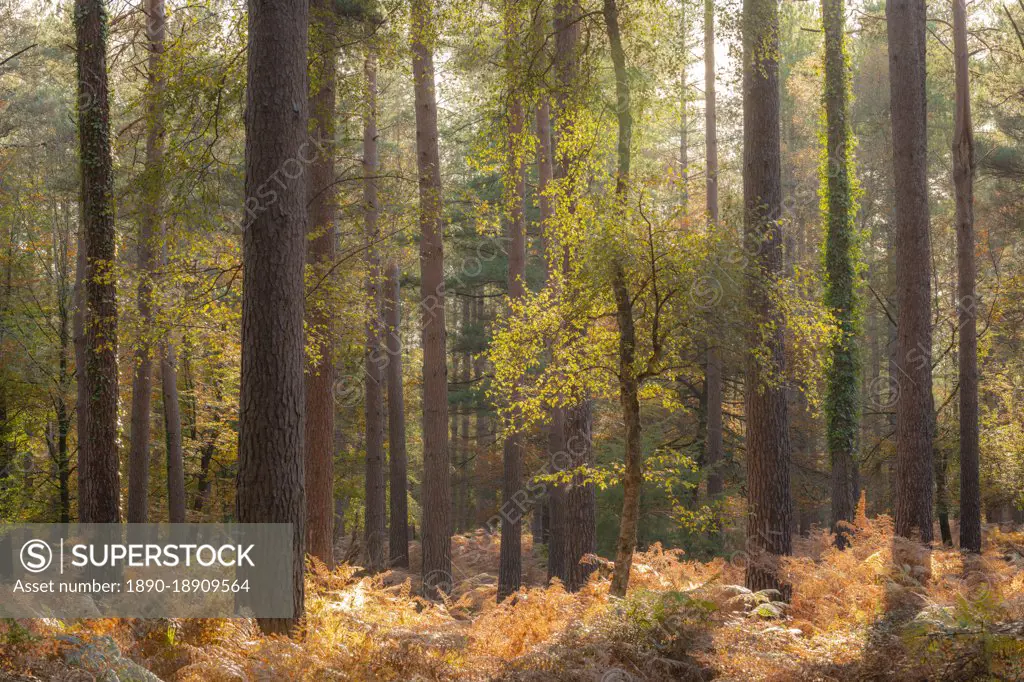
[841,401]
[967,301]
[322,205]
[376,491]
[574,516]
[436,502]
[768,525]
[914,406]
[172,428]
[271,448]
[149,227]
[510,565]
[99,486]
[714,448]
[398,544]
[629,385]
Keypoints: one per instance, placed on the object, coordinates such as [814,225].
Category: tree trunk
[99,486]
[398,544]
[462,502]
[149,227]
[574,516]
[714,448]
[510,565]
[271,467]
[914,406]
[542,505]
[172,428]
[768,524]
[841,401]
[436,502]
[629,386]
[376,491]
[322,206]
[684,123]
[967,302]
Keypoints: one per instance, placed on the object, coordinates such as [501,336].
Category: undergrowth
[884,609]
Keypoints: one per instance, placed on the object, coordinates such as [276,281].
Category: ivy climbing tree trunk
[376,491]
[967,301]
[322,205]
[769,524]
[437,495]
[915,475]
[99,486]
[272,415]
[842,393]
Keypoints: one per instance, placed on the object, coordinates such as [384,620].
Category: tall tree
[271,471]
[142,382]
[398,526]
[322,206]
[510,566]
[629,384]
[842,396]
[767,442]
[967,303]
[713,444]
[573,506]
[906,23]
[436,502]
[376,491]
[98,475]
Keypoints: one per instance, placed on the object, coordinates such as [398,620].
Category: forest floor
[854,615]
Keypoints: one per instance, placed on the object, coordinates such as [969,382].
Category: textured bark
[149,227]
[510,566]
[271,471]
[713,444]
[574,517]
[967,302]
[79,344]
[684,122]
[398,544]
[98,476]
[376,492]
[545,170]
[462,499]
[322,205]
[436,501]
[172,427]
[842,409]
[769,524]
[914,406]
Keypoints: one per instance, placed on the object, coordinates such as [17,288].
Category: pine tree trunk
[769,524]
[914,406]
[398,543]
[322,205]
[714,448]
[466,459]
[272,415]
[841,402]
[149,226]
[376,491]
[967,301]
[172,428]
[436,499]
[510,565]
[98,474]
[574,517]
